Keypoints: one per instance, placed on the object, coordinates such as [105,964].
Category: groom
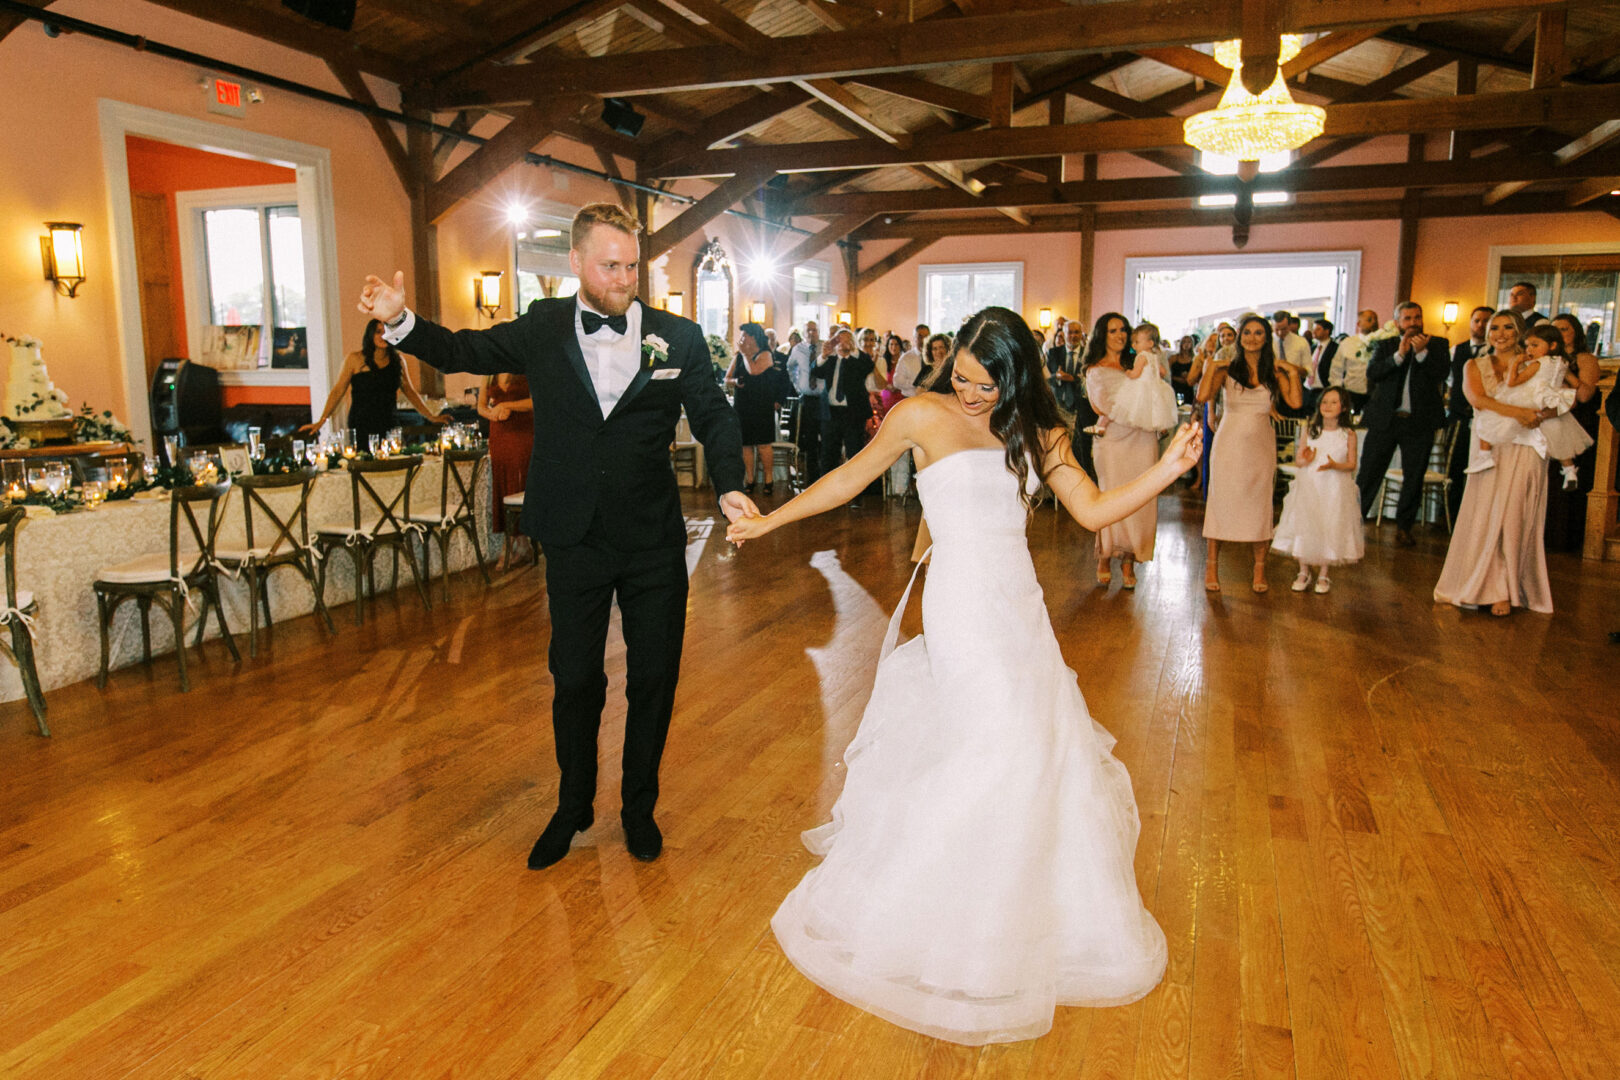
[609,377]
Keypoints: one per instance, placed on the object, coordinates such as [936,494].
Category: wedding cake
[28,379]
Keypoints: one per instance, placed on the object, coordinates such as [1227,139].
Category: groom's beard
[615,302]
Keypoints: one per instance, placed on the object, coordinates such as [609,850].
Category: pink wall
[50,156]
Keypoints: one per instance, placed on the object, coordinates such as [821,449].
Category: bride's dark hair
[1002,343]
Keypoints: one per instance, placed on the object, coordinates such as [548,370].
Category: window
[242,261]
[1225,166]
[1583,283]
[1192,294]
[949,294]
[540,257]
[813,297]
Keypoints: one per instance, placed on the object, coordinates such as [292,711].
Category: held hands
[381,300]
[748,528]
[740,510]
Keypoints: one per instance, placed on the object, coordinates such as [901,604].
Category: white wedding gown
[977,870]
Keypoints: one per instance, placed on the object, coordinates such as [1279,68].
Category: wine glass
[255,443]
[171,449]
[149,468]
[57,479]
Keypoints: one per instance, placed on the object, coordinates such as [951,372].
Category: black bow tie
[594,322]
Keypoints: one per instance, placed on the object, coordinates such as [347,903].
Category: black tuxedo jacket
[1457,407]
[853,379]
[1069,395]
[1427,372]
[583,464]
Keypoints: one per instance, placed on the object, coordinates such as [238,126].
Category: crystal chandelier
[1246,127]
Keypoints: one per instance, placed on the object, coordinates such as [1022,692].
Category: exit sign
[225,96]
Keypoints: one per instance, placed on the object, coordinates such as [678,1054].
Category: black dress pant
[843,436]
[1415,442]
[807,422]
[582,581]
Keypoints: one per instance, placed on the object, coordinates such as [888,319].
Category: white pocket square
[667,373]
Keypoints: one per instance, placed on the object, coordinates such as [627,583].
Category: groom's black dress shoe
[558,834]
[642,838]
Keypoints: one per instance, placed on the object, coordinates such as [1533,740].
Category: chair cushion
[344,531]
[241,555]
[513,500]
[436,519]
[146,570]
[25,599]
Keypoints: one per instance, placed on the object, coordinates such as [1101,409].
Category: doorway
[1192,294]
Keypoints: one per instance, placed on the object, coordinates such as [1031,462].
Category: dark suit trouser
[808,425]
[843,437]
[581,583]
[1459,463]
[1415,441]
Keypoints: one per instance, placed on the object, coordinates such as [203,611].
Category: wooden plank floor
[1383,837]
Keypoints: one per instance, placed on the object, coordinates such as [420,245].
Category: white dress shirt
[801,368]
[1349,367]
[1293,350]
[611,359]
[906,371]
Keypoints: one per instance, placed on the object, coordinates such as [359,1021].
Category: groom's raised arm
[493,351]
[713,420]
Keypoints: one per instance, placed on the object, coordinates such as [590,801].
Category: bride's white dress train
[978,868]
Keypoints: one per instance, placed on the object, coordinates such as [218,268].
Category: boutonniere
[654,351]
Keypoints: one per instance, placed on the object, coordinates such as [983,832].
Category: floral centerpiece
[720,354]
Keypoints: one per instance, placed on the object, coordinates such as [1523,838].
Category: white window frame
[928,270]
[825,302]
[1348,262]
[317,217]
[189,207]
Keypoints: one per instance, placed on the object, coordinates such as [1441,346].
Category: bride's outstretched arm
[1095,509]
[843,483]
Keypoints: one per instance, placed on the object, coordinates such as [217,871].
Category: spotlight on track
[622,117]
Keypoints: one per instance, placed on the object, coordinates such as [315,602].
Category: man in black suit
[1522,298]
[844,373]
[1065,364]
[1457,408]
[610,376]
[1323,350]
[1404,377]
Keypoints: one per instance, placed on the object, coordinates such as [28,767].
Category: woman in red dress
[505,404]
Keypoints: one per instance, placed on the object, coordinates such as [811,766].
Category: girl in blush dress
[1243,464]
[977,871]
[1321,517]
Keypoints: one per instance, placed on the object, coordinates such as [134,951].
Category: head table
[58,559]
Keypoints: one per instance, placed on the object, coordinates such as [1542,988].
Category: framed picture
[236,460]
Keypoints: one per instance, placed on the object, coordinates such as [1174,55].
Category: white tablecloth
[58,558]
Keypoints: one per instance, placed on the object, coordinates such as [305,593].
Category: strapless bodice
[972,495]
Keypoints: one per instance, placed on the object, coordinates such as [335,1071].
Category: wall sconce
[1043,318]
[487,292]
[1450,315]
[62,251]
[846,318]
[675,303]
[756,312]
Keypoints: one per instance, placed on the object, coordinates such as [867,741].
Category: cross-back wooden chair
[379,522]
[281,539]
[458,496]
[169,580]
[19,613]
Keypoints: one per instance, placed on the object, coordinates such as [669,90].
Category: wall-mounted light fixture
[756,312]
[846,318]
[1043,318]
[1450,315]
[487,292]
[62,251]
[675,303]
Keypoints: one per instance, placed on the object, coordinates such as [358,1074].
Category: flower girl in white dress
[977,870]
[1321,517]
[1145,399]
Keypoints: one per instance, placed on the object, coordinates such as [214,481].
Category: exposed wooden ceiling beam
[892,261]
[1562,105]
[1587,190]
[524,29]
[445,18]
[355,84]
[1548,67]
[1600,135]
[843,101]
[1112,221]
[697,215]
[1503,191]
[1200,65]
[720,24]
[728,124]
[294,33]
[882,48]
[504,149]
[661,20]
[1327,47]
[10,22]
[1594,52]
[832,232]
[1427,174]
[911,87]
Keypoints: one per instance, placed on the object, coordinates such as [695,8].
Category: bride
[977,870]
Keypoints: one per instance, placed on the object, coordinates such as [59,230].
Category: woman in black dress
[376,375]
[758,391]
